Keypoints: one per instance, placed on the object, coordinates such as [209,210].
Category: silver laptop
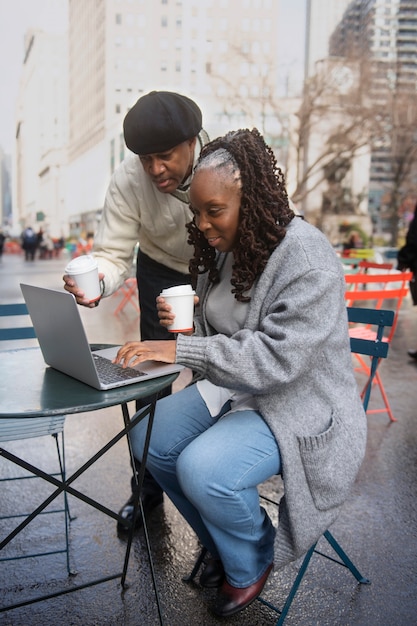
[57,322]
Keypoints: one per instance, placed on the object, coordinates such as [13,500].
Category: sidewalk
[378,525]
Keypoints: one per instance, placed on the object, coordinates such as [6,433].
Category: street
[377,528]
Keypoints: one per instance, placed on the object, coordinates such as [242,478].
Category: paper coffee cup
[84,270]
[181,301]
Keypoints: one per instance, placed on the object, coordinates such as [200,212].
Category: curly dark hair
[264,209]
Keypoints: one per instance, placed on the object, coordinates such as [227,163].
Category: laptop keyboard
[109,372]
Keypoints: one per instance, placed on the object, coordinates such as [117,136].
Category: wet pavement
[378,525]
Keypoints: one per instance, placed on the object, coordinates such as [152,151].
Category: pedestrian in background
[147,202]
[2,240]
[29,243]
[407,259]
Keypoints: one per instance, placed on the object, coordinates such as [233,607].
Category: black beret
[159,121]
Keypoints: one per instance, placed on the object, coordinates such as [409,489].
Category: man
[147,202]
[29,243]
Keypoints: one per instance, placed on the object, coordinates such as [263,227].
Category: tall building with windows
[322,18]
[221,53]
[383,33]
[41,135]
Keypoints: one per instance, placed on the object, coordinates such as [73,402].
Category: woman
[277,392]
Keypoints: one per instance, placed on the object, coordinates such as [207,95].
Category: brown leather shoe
[213,574]
[231,600]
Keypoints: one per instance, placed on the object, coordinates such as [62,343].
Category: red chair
[367,265]
[376,291]
[129,292]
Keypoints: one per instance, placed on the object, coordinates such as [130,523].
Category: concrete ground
[378,525]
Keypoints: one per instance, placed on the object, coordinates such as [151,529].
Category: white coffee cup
[181,301]
[84,270]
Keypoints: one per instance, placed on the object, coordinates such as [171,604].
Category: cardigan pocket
[331,462]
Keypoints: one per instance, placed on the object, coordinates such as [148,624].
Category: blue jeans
[210,468]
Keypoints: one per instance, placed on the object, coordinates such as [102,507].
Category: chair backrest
[367,265]
[359,253]
[378,290]
[375,348]
[15,332]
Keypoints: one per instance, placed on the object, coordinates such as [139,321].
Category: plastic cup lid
[81,264]
[179,290]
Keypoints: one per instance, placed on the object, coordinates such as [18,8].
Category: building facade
[222,55]
[42,135]
[382,35]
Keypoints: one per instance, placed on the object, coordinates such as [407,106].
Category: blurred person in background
[407,259]
[29,243]
[2,240]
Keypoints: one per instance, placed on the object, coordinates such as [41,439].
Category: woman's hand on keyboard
[135,352]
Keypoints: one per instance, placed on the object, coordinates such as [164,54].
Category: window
[164,21]
[118,18]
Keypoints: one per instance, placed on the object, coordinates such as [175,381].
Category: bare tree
[398,143]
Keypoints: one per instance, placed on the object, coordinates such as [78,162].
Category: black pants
[152,277]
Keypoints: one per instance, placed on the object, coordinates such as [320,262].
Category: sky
[17,16]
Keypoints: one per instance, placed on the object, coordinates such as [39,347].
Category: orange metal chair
[377,291]
[364,266]
[129,292]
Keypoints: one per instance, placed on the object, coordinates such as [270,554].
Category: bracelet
[103,287]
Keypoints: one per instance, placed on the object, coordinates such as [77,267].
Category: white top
[227,316]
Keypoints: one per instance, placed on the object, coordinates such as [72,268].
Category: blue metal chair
[14,429]
[376,349]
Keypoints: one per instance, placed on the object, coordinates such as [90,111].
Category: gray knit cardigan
[293,354]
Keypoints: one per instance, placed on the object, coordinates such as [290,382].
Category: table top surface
[29,388]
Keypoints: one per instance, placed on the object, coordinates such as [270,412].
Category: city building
[322,19]
[5,191]
[223,54]
[42,135]
[333,160]
[225,59]
[382,36]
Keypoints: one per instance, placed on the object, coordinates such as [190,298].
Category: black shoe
[213,574]
[412,353]
[149,501]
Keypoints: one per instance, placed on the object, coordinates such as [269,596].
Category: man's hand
[135,352]
[71,286]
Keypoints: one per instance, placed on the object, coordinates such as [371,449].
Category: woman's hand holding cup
[176,309]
